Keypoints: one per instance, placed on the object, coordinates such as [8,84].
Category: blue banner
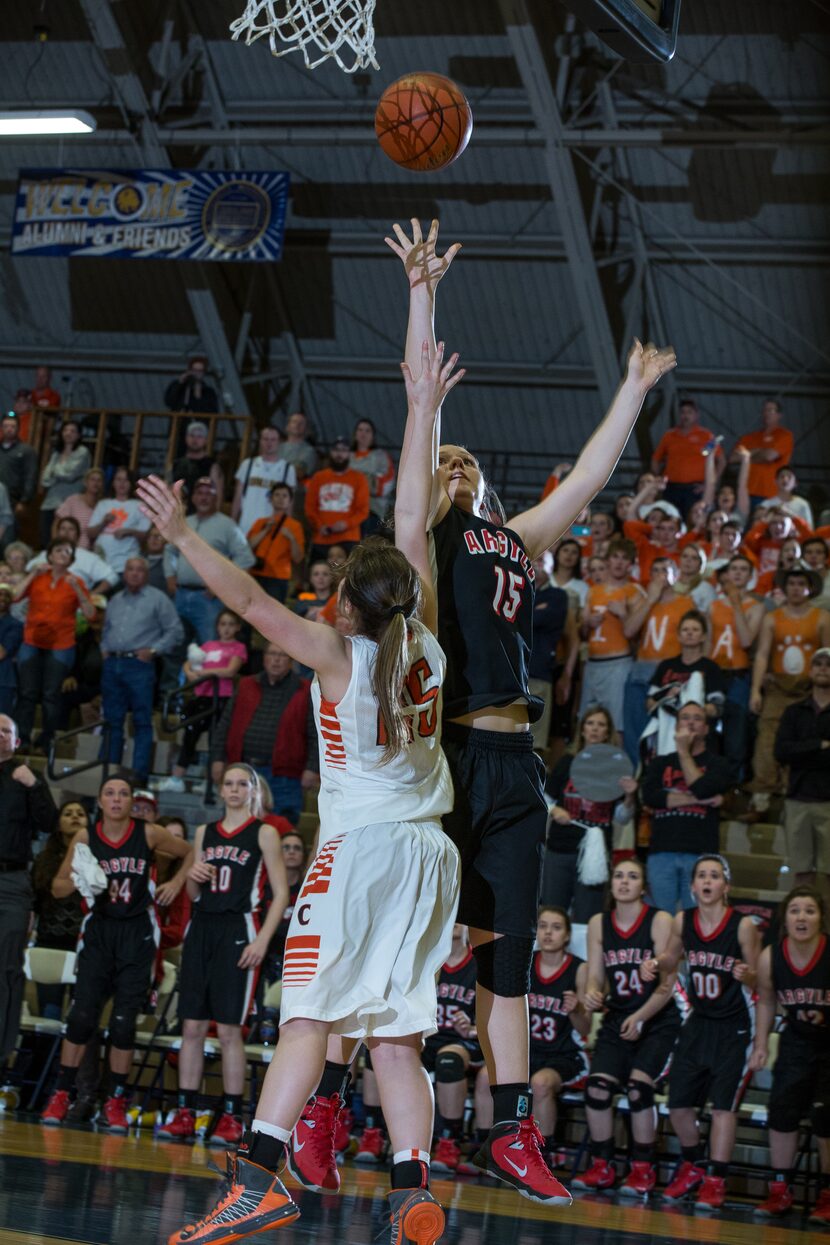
[150,214]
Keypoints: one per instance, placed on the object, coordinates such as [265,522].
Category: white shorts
[371,927]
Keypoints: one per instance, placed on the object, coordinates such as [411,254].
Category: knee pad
[122,1030]
[640,1096]
[599,1093]
[820,1115]
[80,1025]
[449,1068]
[503,965]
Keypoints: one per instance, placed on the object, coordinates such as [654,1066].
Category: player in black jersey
[225,945]
[117,943]
[794,979]
[638,1033]
[711,1060]
[485,584]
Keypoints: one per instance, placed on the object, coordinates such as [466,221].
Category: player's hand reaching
[422,264]
[162,505]
[646,364]
[426,393]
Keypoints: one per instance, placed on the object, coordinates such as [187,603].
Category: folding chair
[45,966]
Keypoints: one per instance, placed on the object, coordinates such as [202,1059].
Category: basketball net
[328,27]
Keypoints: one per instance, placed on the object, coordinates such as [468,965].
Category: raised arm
[424,269]
[545,523]
[424,394]
[742,489]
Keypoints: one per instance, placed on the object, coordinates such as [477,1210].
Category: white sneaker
[173,783]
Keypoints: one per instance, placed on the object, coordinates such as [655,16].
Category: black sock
[603,1150]
[233,1104]
[692,1154]
[119,1084]
[785,1174]
[335,1080]
[410,1174]
[719,1169]
[511,1102]
[187,1099]
[66,1078]
[263,1149]
[375,1118]
[451,1128]
[480,1135]
[550,1144]
[642,1153]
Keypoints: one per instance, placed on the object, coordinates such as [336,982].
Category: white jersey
[356,787]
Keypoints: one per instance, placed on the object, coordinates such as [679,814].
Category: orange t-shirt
[727,650]
[681,454]
[659,638]
[50,621]
[608,640]
[795,639]
[551,483]
[276,550]
[761,481]
[334,497]
[639,531]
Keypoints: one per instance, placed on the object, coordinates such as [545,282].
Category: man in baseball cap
[337,502]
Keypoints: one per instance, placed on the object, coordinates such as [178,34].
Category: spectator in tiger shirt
[657,616]
[787,640]
[680,457]
[735,618]
[336,502]
[770,447]
[609,650]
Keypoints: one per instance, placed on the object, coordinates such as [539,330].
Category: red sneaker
[228,1131]
[640,1180]
[114,1115]
[373,1147]
[446,1156]
[343,1131]
[182,1126]
[821,1211]
[687,1178]
[255,1202]
[712,1194]
[415,1216]
[778,1201]
[600,1175]
[56,1108]
[513,1153]
[311,1156]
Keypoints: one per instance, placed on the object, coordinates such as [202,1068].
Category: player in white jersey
[363,970]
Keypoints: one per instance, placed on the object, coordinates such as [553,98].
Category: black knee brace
[503,965]
[640,1096]
[449,1068]
[80,1025]
[599,1093]
[122,1030]
[820,1115]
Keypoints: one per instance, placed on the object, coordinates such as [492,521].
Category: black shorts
[800,1082]
[651,1053]
[438,1041]
[570,1066]
[212,985]
[711,1063]
[116,959]
[498,825]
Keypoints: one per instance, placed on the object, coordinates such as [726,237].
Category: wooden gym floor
[77,1185]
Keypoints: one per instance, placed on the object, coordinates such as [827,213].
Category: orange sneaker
[256,1201]
[415,1216]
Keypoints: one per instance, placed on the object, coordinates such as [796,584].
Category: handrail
[172,726]
[102,760]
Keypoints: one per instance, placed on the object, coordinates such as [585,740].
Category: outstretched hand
[646,364]
[162,505]
[426,393]
[422,264]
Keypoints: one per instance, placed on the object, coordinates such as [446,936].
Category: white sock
[271,1130]
[410,1156]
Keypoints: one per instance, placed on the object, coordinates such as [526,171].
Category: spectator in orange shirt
[336,502]
[765,538]
[555,478]
[680,457]
[43,395]
[22,409]
[656,536]
[278,544]
[770,447]
[609,649]
[657,615]
[771,583]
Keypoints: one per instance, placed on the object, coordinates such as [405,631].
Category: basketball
[423,122]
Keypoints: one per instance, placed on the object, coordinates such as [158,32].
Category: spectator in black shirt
[552,619]
[191,392]
[802,743]
[684,790]
[196,464]
[666,695]
[58,920]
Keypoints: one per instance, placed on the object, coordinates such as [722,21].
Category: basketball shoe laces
[321,1127]
[235,1204]
[530,1133]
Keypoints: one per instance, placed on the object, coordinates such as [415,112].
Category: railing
[172,725]
[70,771]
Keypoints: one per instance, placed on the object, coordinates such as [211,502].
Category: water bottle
[710,446]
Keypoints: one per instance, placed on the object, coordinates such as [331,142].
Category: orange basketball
[423,122]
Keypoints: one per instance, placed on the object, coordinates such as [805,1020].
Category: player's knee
[820,1114]
[599,1093]
[640,1096]
[229,1035]
[81,1024]
[503,965]
[544,1084]
[122,1030]
[449,1068]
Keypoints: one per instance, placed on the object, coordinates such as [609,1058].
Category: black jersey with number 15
[485,582]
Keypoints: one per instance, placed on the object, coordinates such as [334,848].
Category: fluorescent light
[46,121]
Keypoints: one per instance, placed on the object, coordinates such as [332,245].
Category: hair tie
[398,609]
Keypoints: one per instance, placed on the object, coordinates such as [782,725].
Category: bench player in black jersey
[638,1032]
[117,944]
[224,946]
[485,583]
[794,979]
[711,1060]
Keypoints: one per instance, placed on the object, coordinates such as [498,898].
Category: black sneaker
[256,1201]
[415,1215]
